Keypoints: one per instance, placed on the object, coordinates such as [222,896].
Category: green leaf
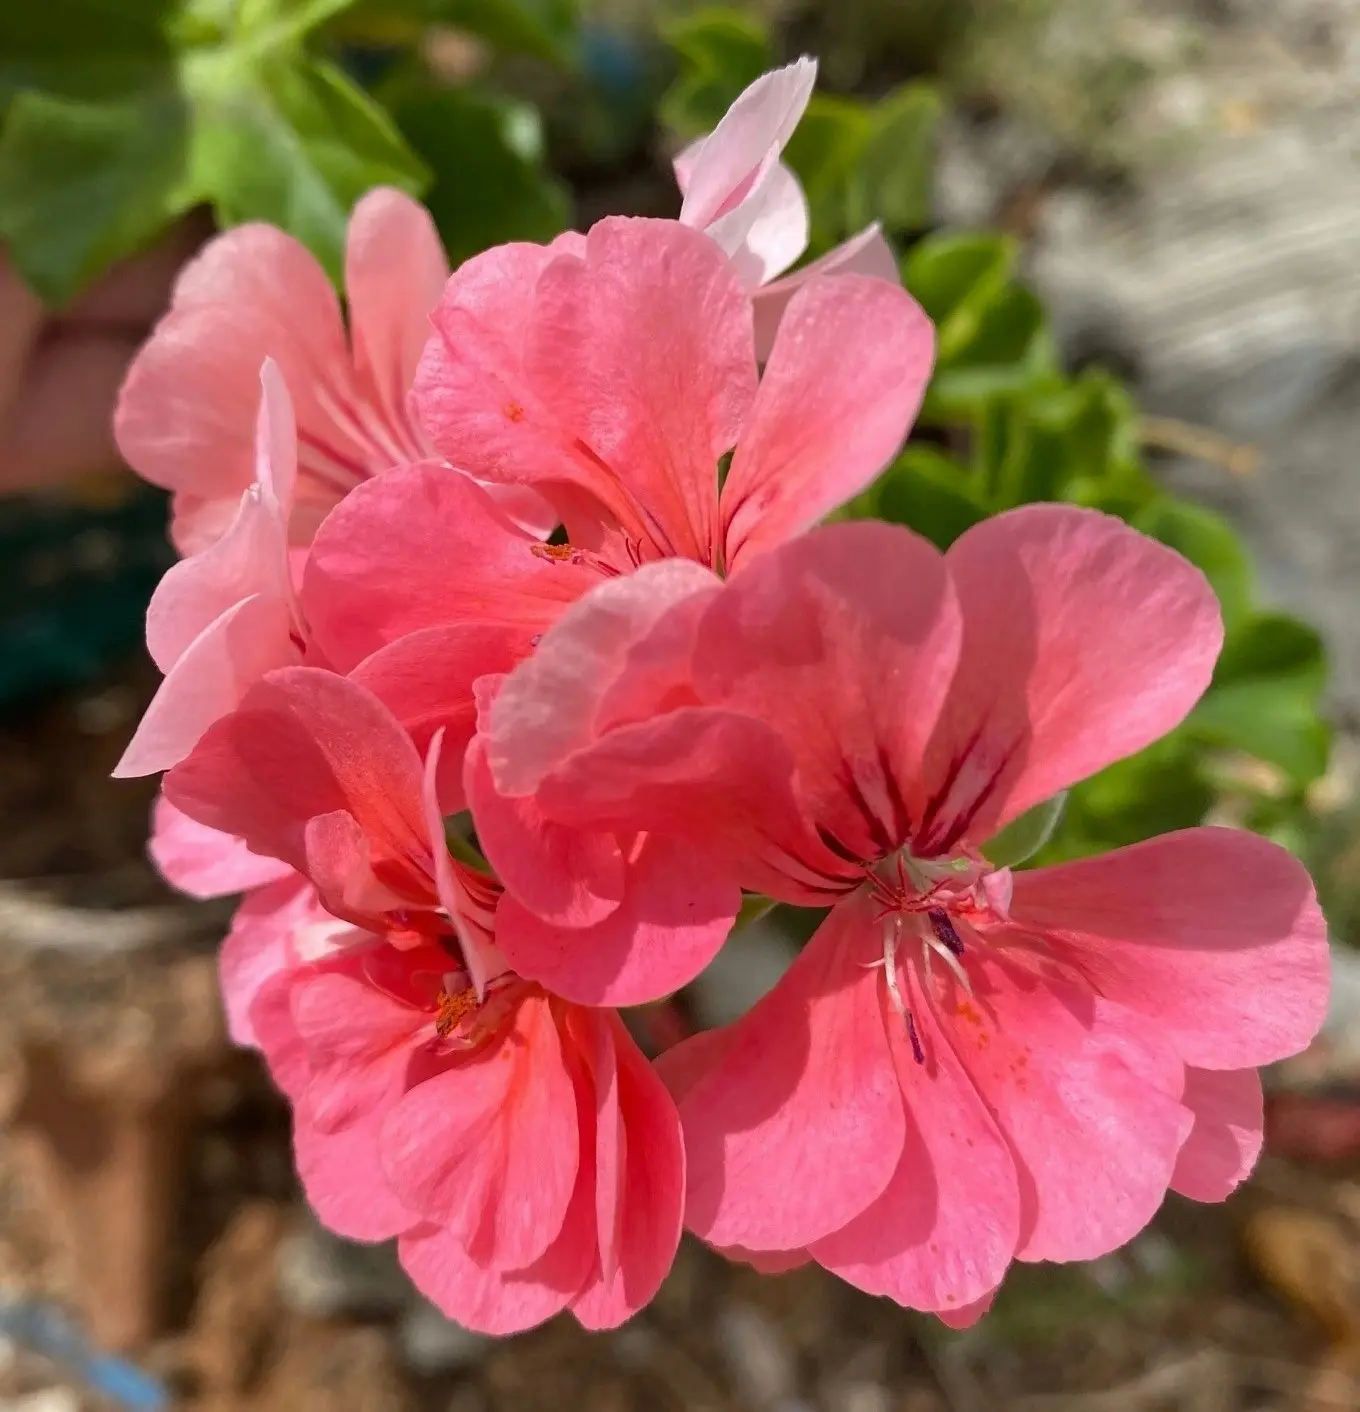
[294,142]
[489,184]
[1022,838]
[1210,543]
[893,176]
[83,184]
[753,908]
[545,28]
[721,51]
[825,152]
[946,272]
[1270,645]
[929,493]
[1273,718]
[83,48]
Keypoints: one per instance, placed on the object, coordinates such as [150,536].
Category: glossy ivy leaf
[928,492]
[84,183]
[87,49]
[824,152]
[1022,838]
[720,51]
[485,154]
[1211,544]
[893,171]
[292,141]
[1272,645]
[950,273]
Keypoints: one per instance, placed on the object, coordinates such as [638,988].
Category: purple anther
[917,1052]
[944,931]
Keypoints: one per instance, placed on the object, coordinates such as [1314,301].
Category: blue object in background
[46,1330]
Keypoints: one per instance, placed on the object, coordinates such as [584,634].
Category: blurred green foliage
[1003,425]
[120,115]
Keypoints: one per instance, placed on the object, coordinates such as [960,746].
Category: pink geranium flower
[614,374]
[520,1149]
[186,413]
[966,1065]
[740,194]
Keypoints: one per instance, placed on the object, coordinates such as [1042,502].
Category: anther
[944,931]
[917,1052]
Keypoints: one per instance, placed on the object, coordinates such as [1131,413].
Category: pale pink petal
[746,143]
[776,218]
[569,876]
[304,744]
[186,413]
[343,1181]
[548,707]
[258,947]
[840,391]
[943,1232]
[643,1156]
[864,254]
[1226,1140]
[490,1147]
[799,1125]
[678,907]
[423,546]
[683,162]
[210,678]
[205,862]
[843,642]
[1085,1093]
[643,351]
[1213,935]
[1083,642]
[394,273]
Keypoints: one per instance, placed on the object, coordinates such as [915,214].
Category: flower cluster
[507,657]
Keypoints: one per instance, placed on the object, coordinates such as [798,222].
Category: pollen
[453,1010]
[558,553]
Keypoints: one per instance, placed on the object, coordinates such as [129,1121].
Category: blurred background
[1137,226]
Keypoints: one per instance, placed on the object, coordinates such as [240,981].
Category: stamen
[453,1010]
[944,930]
[892,934]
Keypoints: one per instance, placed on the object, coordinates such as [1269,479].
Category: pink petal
[359,1044]
[394,273]
[343,1181]
[210,678]
[495,1301]
[838,396]
[643,351]
[864,254]
[966,1317]
[186,413]
[798,1127]
[549,706]
[570,877]
[490,1147]
[640,1154]
[676,912]
[1084,1094]
[257,947]
[426,678]
[471,392]
[746,144]
[1083,642]
[306,743]
[945,1229]
[1212,935]
[843,642]
[423,546]
[271,1023]
[205,862]
[1226,1140]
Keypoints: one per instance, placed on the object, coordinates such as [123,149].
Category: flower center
[922,901]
